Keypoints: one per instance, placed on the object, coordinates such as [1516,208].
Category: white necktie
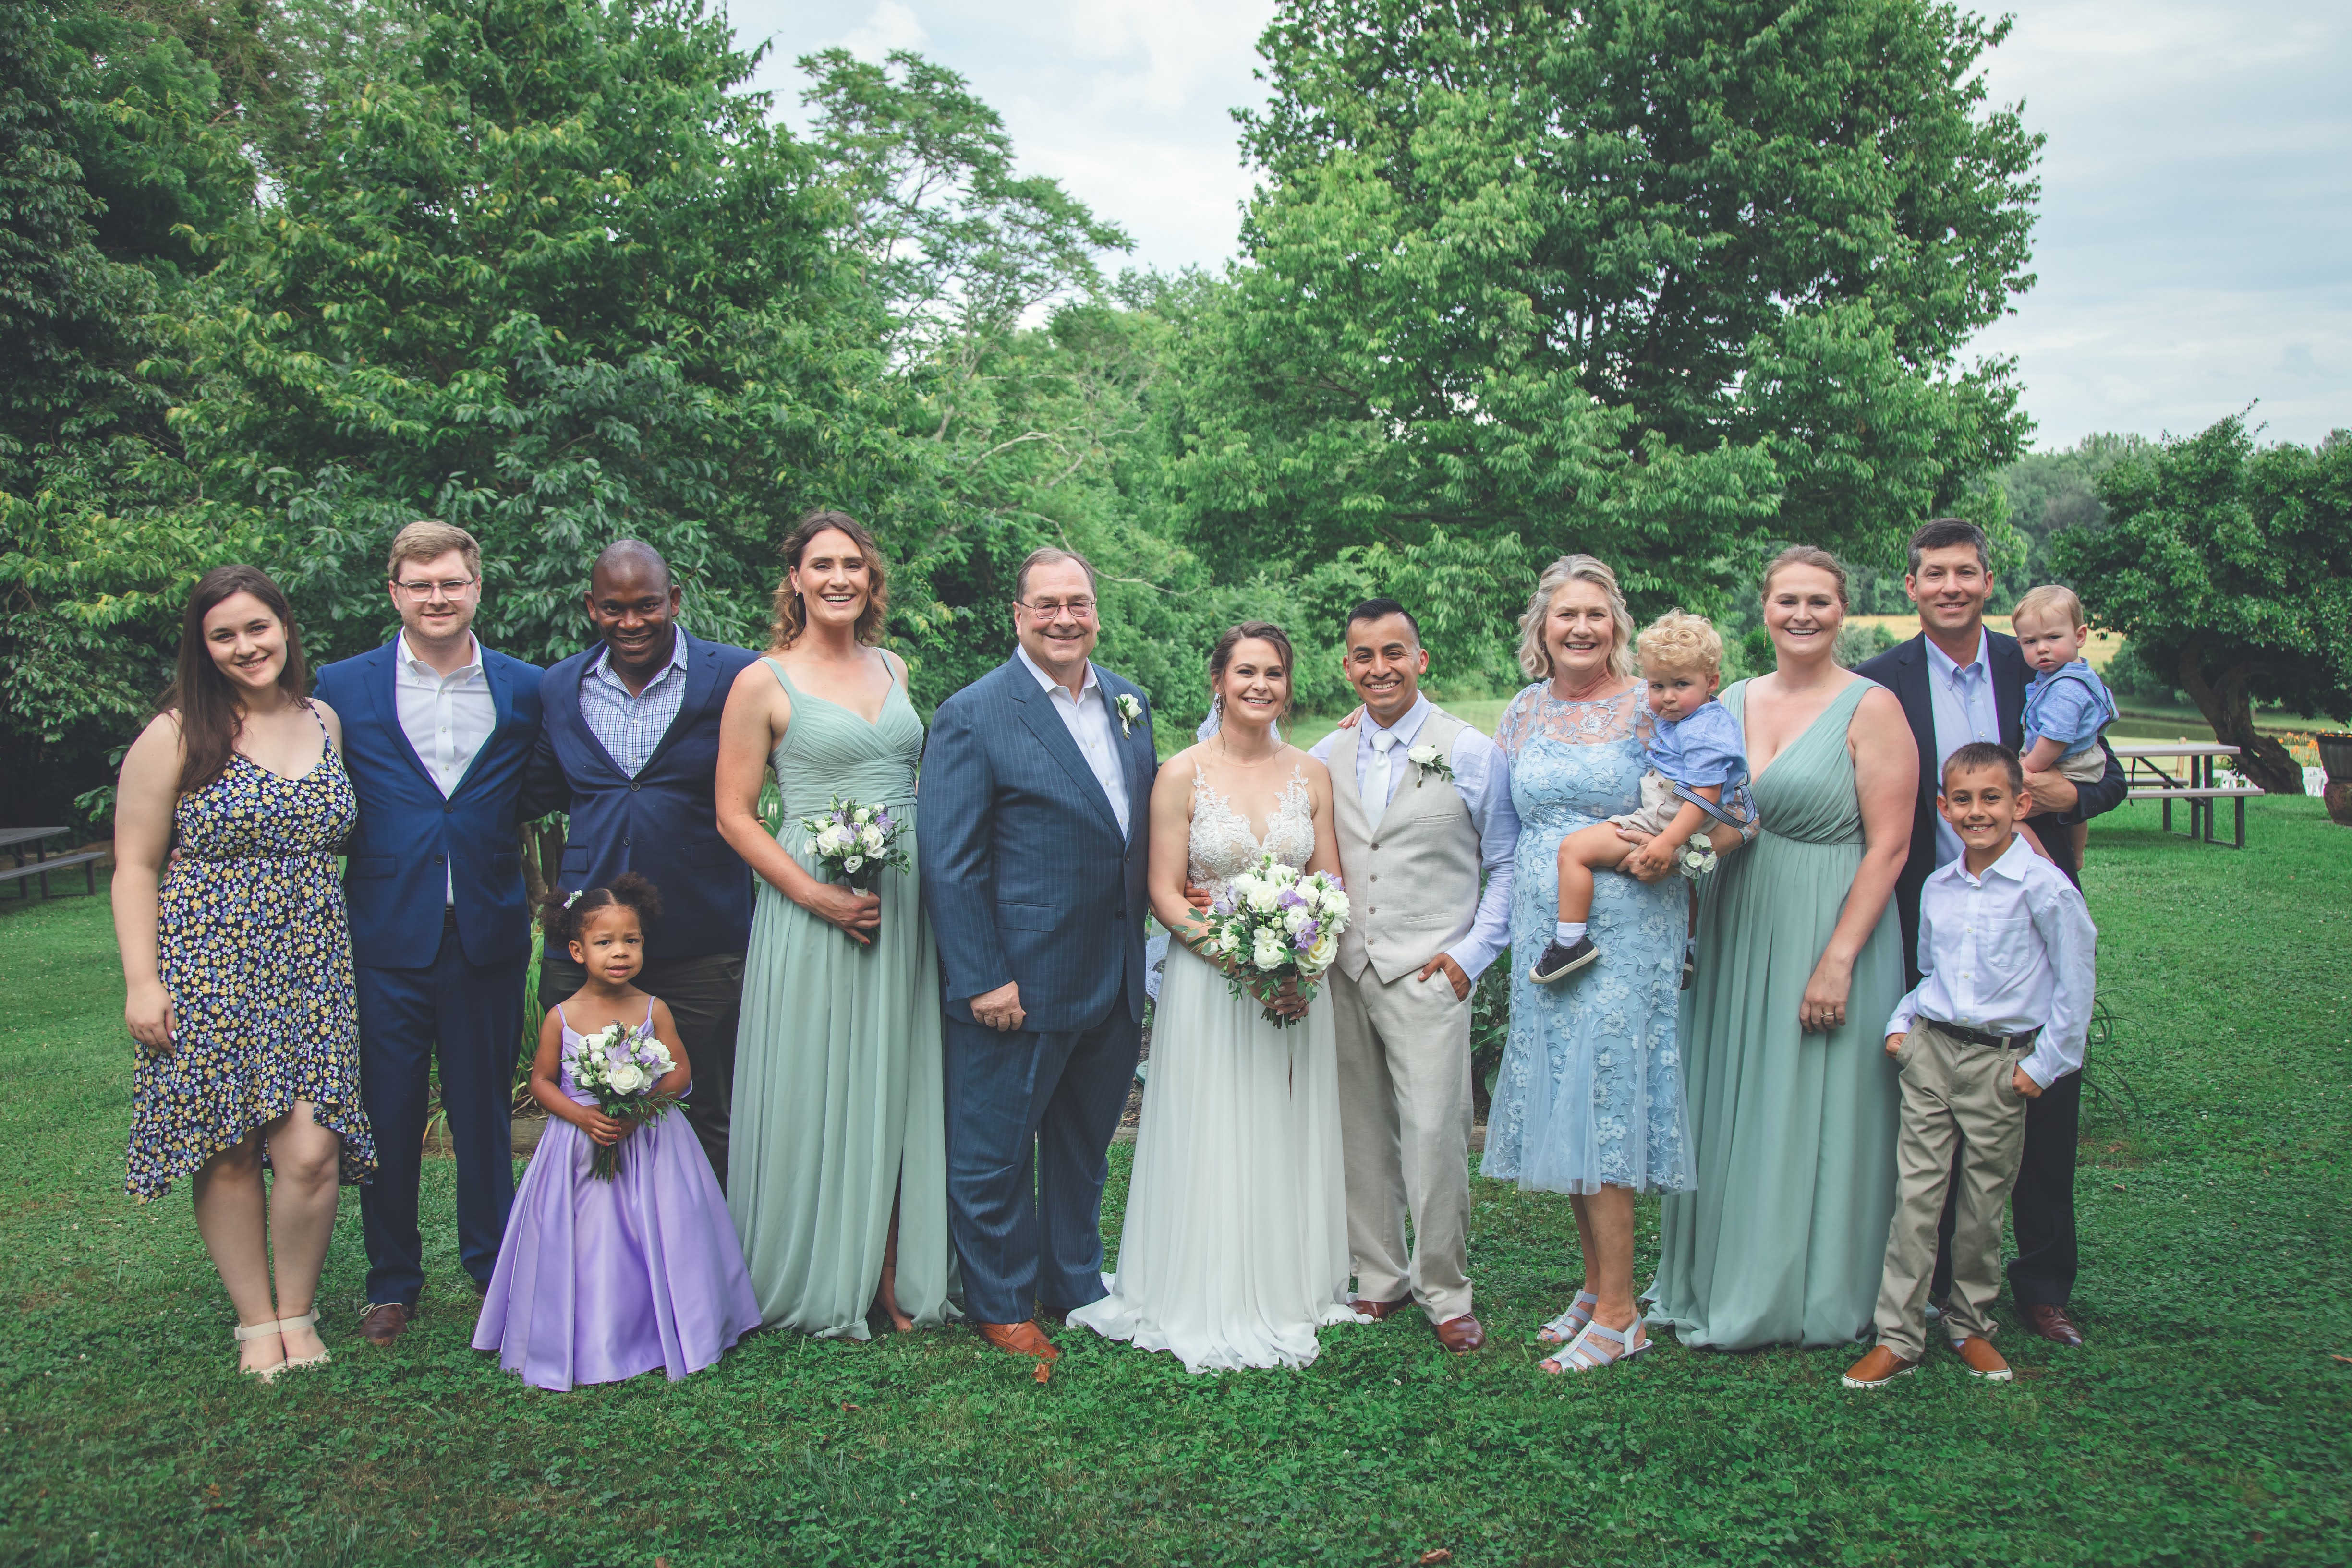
[1375,784]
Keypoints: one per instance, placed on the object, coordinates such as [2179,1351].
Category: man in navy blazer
[436,732]
[631,750]
[1959,681]
[1036,829]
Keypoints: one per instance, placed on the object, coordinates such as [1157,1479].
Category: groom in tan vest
[1422,805]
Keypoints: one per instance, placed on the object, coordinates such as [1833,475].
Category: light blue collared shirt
[1482,776]
[1962,701]
[630,727]
[2009,951]
[1087,718]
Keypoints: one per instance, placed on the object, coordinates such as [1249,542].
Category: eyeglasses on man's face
[1051,609]
[448,589]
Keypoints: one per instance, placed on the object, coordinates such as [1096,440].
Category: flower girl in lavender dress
[599,1280]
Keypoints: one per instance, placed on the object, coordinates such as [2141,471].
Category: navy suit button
[446,808]
[1120,916]
[632,786]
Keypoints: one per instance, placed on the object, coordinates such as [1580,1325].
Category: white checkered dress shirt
[629,728]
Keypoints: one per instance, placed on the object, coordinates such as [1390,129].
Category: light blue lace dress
[1591,1092]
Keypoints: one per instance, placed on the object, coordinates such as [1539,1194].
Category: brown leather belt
[1980,1037]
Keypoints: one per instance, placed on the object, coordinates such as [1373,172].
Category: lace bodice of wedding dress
[1221,846]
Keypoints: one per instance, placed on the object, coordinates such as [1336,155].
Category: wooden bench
[24,871]
[2196,787]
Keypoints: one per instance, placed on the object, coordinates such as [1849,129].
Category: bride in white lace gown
[1234,1249]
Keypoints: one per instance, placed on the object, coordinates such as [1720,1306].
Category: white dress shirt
[1962,702]
[630,725]
[2004,953]
[1087,718]
[446,717]
[1482,776]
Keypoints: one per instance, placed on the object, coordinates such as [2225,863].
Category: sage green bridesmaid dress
[1792,1134]
[838,1094]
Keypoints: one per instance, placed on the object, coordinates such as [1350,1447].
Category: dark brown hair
[1943,533]
[1049,555]
[1983,754]
[562,915]
[792,615]
[212,715]
[1264,631]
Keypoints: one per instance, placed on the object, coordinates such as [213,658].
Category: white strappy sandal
[1564,1328]
[257,1331]
[308,1320]
[1585,1353]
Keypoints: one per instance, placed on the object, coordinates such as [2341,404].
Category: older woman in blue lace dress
[1588,1099]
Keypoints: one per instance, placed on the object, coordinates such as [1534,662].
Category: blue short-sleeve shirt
[2070,705]
[1701,749]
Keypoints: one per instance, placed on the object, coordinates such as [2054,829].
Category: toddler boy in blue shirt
[2066,706]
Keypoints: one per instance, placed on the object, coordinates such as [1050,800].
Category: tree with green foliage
[1660,281]
[2231,564]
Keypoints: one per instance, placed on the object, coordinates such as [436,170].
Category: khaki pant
[1404,1124]
[1957,1097]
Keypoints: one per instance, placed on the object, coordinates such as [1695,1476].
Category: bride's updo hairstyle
[1534,653]
[1221,655]
[792,615]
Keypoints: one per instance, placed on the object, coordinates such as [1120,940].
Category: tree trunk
[2228,705]
[540,844]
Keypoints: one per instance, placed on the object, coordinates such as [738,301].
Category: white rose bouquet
[1276,924]
[856,843]
[619,1066]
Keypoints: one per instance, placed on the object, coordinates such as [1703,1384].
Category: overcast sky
[2195,244]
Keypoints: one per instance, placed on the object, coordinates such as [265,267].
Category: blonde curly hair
[1535,655]
[1680,640]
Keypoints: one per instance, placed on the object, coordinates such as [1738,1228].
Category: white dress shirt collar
[1049,685]
[2011,864]
[1405,729]
[400,650]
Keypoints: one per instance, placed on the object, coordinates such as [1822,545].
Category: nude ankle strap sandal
[260,1331]
[306,1321]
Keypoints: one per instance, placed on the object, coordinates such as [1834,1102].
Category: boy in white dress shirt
[2008,957]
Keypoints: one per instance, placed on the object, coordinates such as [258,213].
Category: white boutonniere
[1694,859]
[1427,759]
[1129,710]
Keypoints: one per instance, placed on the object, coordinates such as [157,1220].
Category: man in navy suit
[1036,796]
[436,732]
[1960,681]
[631,750]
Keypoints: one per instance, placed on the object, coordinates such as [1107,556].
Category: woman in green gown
[838,1179]
[1792,1100]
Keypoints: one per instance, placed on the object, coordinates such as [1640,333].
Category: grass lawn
[2209,1421]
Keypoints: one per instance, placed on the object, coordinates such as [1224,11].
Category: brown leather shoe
[1381,1311]
[2053,1324]
[1461,1335]
[1983,1361]
[385,1323]
[1018,1338]
[1879,1368]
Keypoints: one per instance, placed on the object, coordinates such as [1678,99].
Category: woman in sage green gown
[1792,1131]
[839,1151]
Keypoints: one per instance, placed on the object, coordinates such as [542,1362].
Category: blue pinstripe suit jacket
[1025,873]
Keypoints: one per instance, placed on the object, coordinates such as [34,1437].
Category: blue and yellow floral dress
[256,952]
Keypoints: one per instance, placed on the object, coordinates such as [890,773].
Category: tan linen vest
[1412,883]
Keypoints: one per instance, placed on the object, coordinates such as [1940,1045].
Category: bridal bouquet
[856,843]
[1276,924]
[619,1066]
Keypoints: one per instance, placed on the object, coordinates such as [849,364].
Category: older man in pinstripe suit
[1035,783]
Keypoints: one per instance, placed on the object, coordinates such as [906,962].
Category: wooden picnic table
[23,873]
[2195,786]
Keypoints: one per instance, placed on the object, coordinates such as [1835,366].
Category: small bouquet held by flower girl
[856,843]
[620,1066]
[1277,924]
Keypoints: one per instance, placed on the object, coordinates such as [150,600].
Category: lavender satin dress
[600,1281]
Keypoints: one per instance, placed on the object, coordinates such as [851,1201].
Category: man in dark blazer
[437,730]
[1036,826]
[1959,681]
[630,749]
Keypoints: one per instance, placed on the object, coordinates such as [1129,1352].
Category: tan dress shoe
[1018,1338]
[1982,1360]
[2053,1324]
[385,1323]
[1461,1335]
[1879,1368]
